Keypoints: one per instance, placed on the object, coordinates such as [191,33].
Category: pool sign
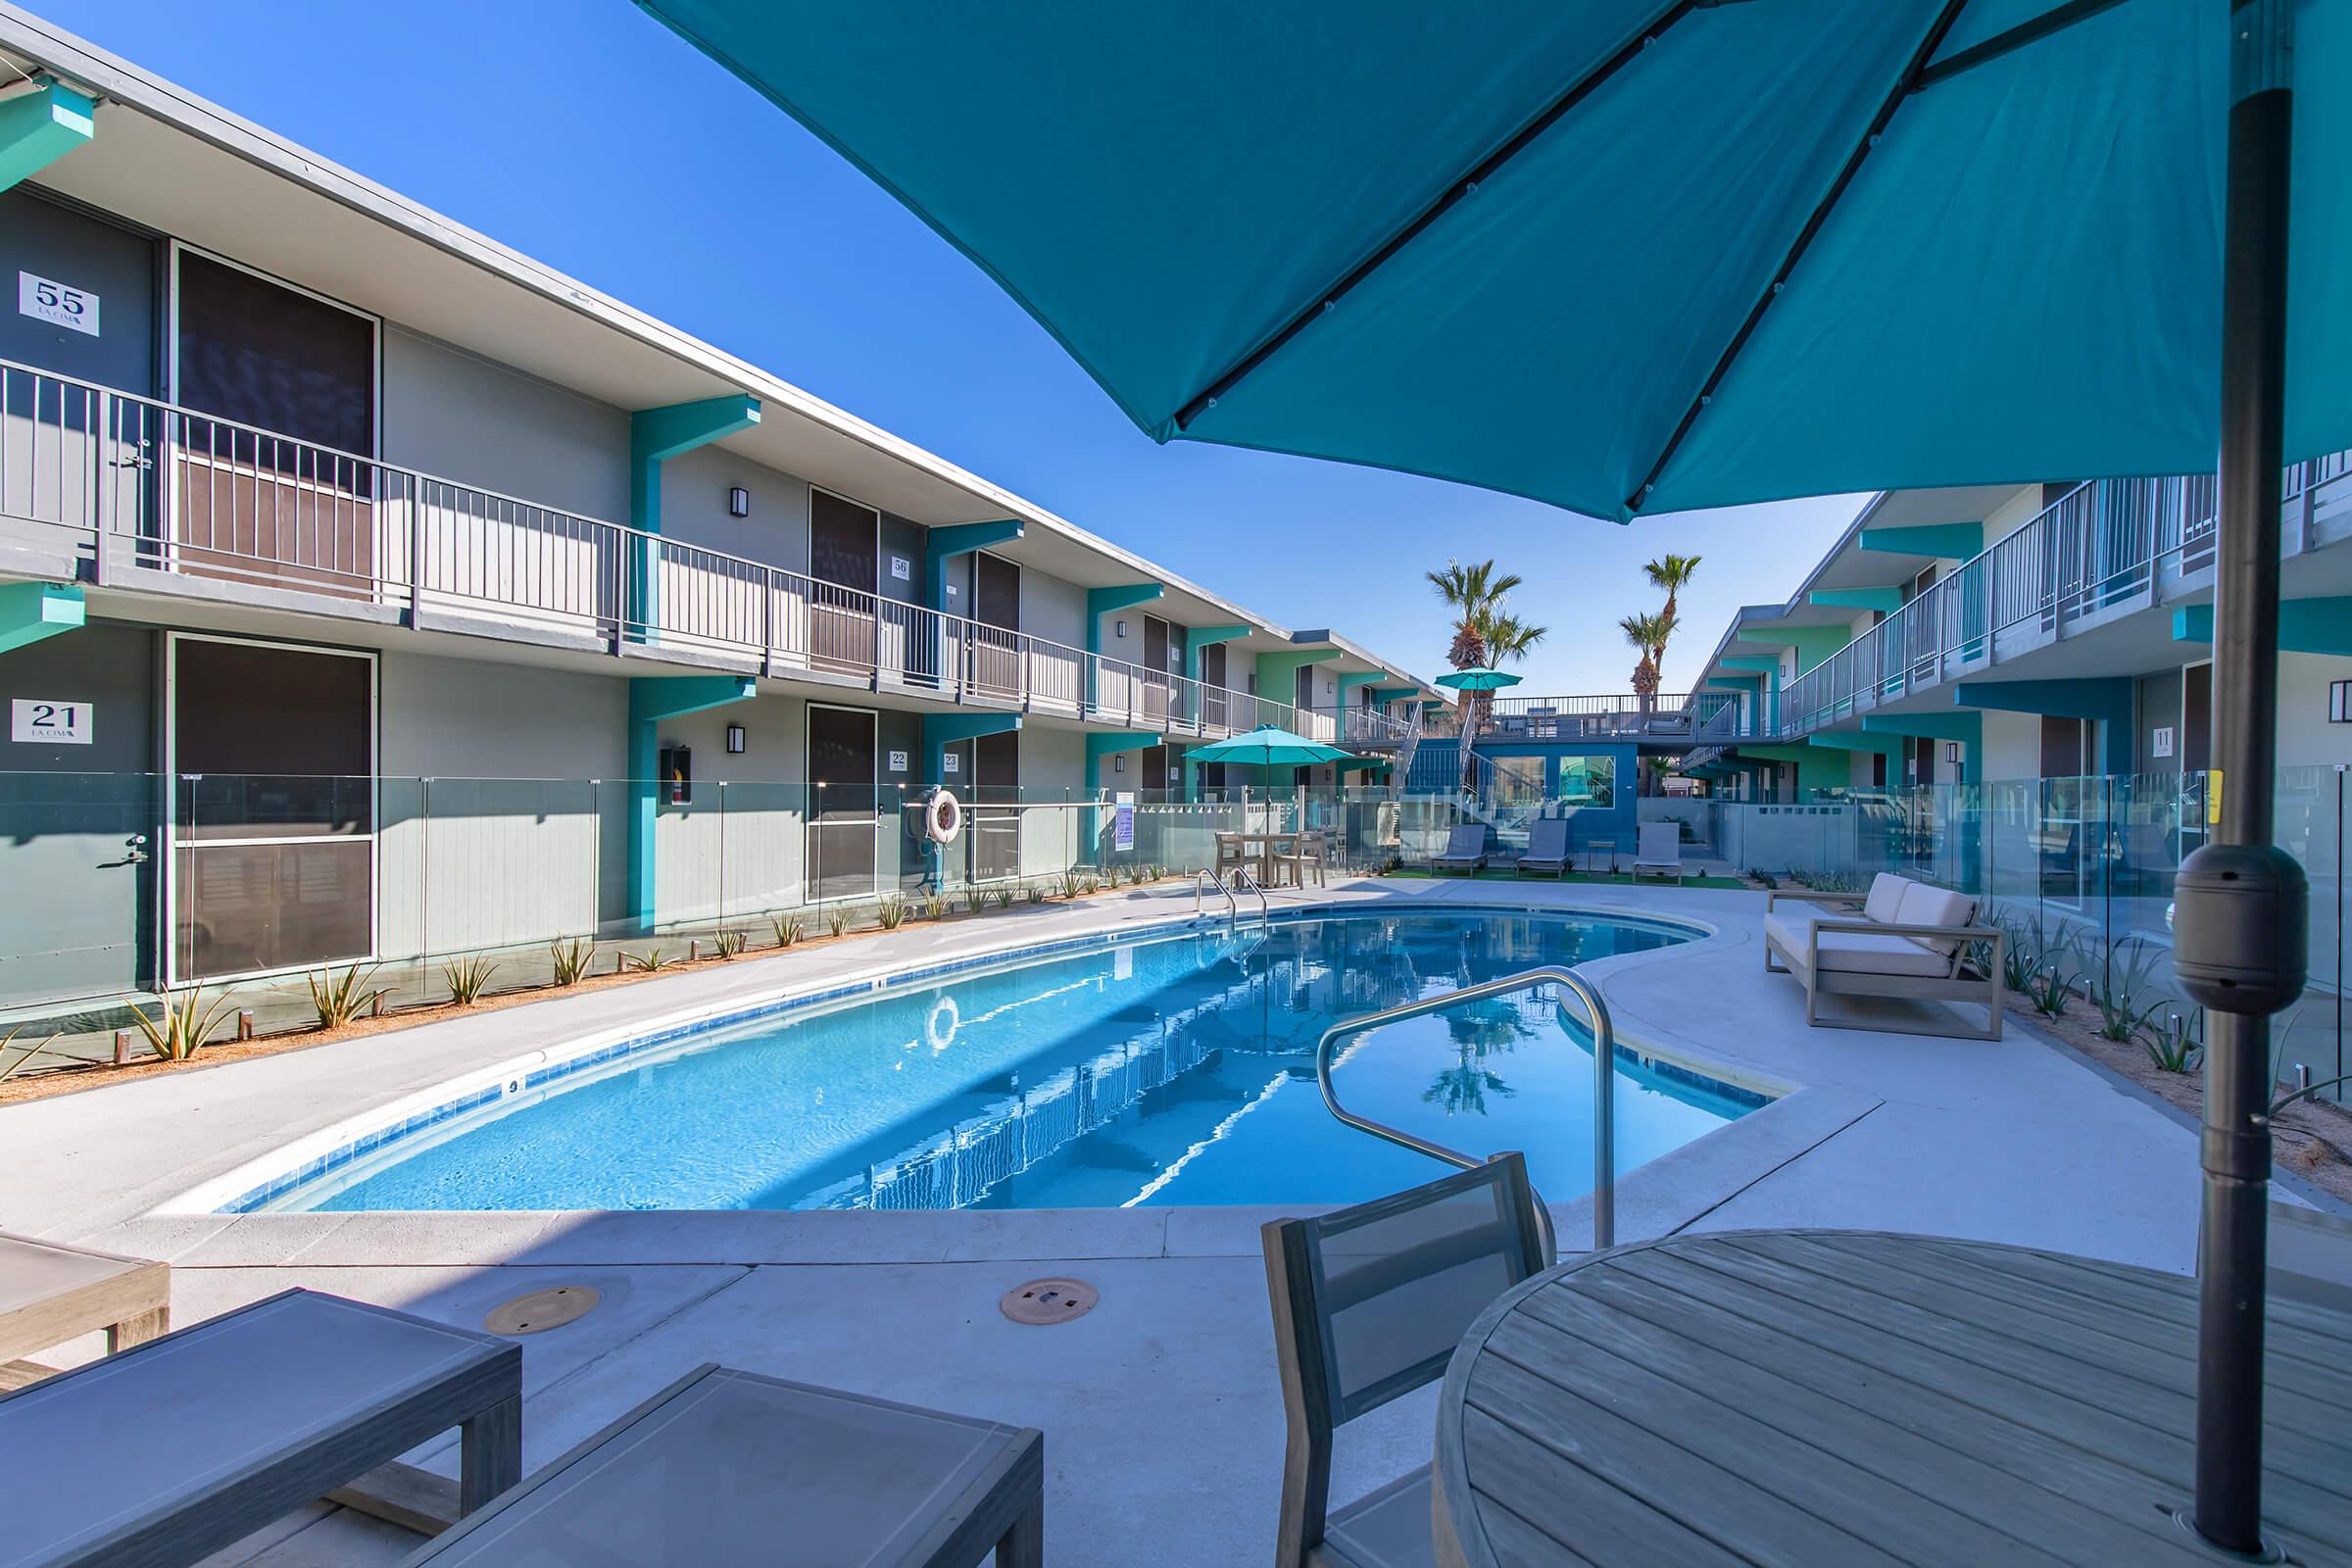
[43,722]
[45,298]
[1122,822]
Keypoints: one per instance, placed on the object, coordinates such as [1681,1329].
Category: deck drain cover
[542,1310]
[1048,1301]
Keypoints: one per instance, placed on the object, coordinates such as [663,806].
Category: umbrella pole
[2247,896]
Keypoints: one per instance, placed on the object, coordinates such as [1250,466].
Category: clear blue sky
[586,134]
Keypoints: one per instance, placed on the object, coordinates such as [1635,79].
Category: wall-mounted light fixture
[1122,625]
[2339,702]
[739,502]
[1951,751]
[1118,765]
[735,739]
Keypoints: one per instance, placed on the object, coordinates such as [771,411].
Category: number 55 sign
[47,300]
[47,723]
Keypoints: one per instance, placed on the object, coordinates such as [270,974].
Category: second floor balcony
[1662,718]
[130,493]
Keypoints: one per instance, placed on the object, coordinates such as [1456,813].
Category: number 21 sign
[49,723]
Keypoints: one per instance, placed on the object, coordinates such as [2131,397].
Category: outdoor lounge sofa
[1546,847]
[1660,850]
[1465,849]
[1910,941]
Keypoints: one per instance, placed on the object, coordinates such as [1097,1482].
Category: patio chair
[1369,1303]
[1546,847]
[2311,1257]
[1232,854]
[51,1293]
[1660,850]
[1311,854]
[1465,849]
[726,1468]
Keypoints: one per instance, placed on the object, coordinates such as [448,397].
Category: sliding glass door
[842,790]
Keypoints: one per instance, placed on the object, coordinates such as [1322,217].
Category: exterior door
[1212,685]
[995,638]
[845,558]
[843,839]
[997,784]
[1153,698]
[273,760]
[2060,834]
[281,487]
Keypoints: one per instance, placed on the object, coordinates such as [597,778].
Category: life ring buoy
[939,1036]
[943,817]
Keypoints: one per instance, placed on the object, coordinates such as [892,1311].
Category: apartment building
[323,518]
[2035,631]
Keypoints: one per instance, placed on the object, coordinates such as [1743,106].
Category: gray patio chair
[1546,847]
[1369,1303]
[1465,849]
[1660,851]
[727,1469]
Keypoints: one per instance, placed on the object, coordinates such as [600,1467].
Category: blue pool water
[1177,1070]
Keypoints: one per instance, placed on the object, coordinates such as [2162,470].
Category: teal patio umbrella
[1632,255]
[1268,746]
[1475,679]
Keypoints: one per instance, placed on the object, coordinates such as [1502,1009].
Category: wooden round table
[1847,1397]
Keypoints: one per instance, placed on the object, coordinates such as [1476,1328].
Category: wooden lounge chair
[243,1418]
[1310,853]
[1465,849]
[51,1293]
[1660,851]
[726,1469]
[1546,847]
[1910,939]
[1404,1277]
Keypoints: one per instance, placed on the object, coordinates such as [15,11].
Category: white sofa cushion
[1886,897]
[1926,904]
[1854,952]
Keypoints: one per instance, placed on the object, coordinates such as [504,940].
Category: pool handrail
[1604,1114]
[1248,880]
[1234,911]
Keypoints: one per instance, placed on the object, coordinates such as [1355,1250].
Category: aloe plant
[1070,884]
[837,918]
[788,928]
[9,1069]
[935,906]
[183,1026]
[2050,990]
[2130,965]
[646,962]
[574,961]
[2172,1044]
[1036,892]
[727,942]
[468,979]
[1002,898]
[338,999]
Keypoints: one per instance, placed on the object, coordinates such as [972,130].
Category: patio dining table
[1268,844]
[1847,1397]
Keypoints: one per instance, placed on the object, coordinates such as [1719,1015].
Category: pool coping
[242,1190]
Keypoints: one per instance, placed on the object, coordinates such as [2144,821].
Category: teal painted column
[944,544]
[1814,770]
[2305,626]
[653,699]
[1952,541]
[1279,671]
[1098,747]
[40,126]
[656,435]
[1100,602]
[1813,643]
[32,611]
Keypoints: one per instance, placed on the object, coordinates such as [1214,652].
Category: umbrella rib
[1583,87]
[1845,177]
[2016,37]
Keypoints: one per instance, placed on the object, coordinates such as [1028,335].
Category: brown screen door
[274,817]
[995,640]
[281,486]
[995,782]
[1212,685]
[845,558]
[842,826]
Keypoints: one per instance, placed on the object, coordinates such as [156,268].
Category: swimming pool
[1178,1069]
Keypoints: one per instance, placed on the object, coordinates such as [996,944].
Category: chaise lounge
[1910,941]
[1465,849]
[1546,847]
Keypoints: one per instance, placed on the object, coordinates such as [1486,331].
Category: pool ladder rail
[1233,907]
[1604,1115]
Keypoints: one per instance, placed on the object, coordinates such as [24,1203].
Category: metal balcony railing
[1355,727]
[131,483]
[1617,715]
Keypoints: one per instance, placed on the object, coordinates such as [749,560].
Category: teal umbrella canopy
[1478,680]
[1622,255]
[1268,746]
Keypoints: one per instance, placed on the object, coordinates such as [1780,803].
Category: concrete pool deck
[1160,1408]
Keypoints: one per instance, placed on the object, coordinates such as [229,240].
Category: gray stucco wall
[469,419]
[694,507]
[1054,609]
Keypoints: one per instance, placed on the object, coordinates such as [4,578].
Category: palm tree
[1647,634]
[1505,638]
[1673,573]
[1474,594]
